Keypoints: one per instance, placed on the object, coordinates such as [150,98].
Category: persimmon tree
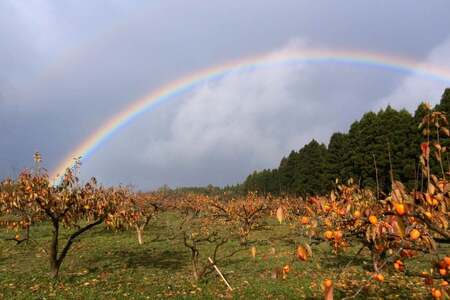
[395,228]
[199,229]
[67,204]
[244,213]
[141,209]
[18,215]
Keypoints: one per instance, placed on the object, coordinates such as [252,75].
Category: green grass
[111,265]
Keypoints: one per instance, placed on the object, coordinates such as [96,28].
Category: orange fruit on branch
[304,220]
[437,294]
[414,234]
[357,214]
[327,283]
[378,277]
[400,209]
[373,220]
[399,265]
[337,235]
[328,235]
[447,260]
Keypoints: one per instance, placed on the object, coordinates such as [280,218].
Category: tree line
[377,149]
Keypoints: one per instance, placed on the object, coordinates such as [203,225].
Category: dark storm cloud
[66,67]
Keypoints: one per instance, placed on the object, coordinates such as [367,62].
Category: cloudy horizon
[69,67]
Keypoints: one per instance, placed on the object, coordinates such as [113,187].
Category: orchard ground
[111,265]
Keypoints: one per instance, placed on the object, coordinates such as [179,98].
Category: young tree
[142,208]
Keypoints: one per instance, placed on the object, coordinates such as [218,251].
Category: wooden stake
[220,273]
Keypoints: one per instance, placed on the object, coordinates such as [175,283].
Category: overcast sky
[68,66]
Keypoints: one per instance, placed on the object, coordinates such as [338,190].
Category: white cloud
[245,121]
[415,89]
[238,114]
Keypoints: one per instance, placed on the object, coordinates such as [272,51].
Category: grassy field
[111,265]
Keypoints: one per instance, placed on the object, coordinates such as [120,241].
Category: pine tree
[339,157]
[311,177]
[378,148]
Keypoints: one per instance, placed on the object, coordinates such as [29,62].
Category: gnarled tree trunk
[53,254]
[56,258]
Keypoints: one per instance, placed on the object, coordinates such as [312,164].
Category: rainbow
[196,79]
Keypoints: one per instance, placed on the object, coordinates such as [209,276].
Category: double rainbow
[196,79]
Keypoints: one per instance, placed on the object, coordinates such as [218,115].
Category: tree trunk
[195,265]
[27,233]
[194,271]
[55,270]
[55,259]
[375,262]
[140,233]
[53,254]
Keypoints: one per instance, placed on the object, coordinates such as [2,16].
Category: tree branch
[74,236]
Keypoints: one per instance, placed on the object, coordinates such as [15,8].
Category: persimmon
[337,235]
[447,260]
[444,283]
[414,234]
[286,269]
[357,214]
[443,272]
[400,209]
[328,234]
[437,294]
[304,220]
[378,277]
[327,283]
[373,219]
[399,265]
